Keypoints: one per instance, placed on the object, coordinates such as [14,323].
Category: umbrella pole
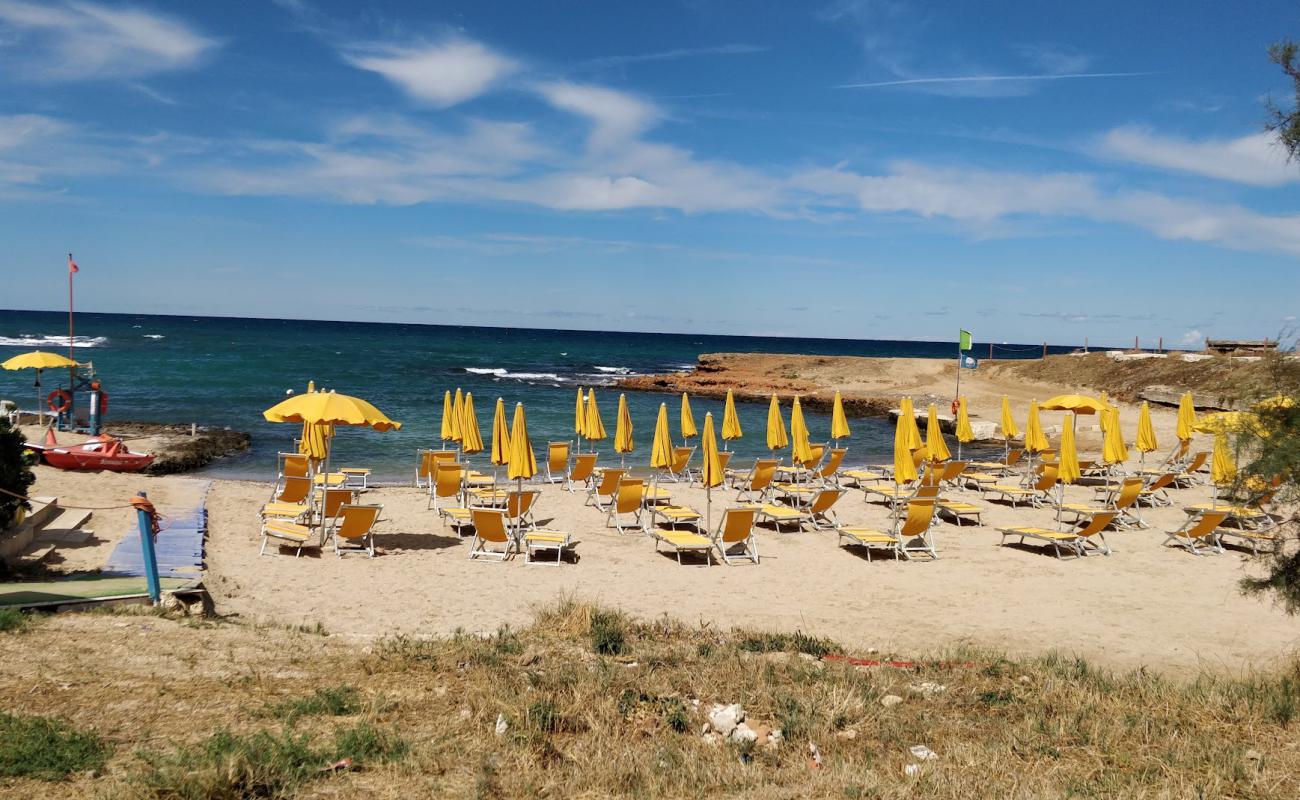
[708,509]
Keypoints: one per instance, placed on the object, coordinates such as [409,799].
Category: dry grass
[232,710]
[1218,380]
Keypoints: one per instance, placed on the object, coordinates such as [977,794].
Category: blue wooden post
[147,553]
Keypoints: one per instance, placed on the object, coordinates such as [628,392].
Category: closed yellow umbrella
[315,441]
[776,438]
[935,446]
[1186,417]
[730,420]
[802,451]
[711,470]
[688,419]
[580,419]
[1223,466]
[907,413]
[1113,449]
[594,425]
[457,414]
[904,468]
[1067,470]
[522,463]
[500,436]
[661,450]
[624,442]
[1035,439]
[1008,422]
[1104,420]
[471,438]
[1146,432]
[964,431]
[839,422]
[446,431]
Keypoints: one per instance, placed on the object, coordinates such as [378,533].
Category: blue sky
[865,168]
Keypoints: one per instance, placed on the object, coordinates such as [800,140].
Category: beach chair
[629,500]
[910,533]
[297,531]
[826,473]
[1247,537]
[1191,474]
[1035,495]
[1012,458]
[492,538]
[1079,541]
[448,485]
[685,542]
[755,486]
[890,494]
[680,469]
[292,534]
[292,502]
[1250,518]
[353,529]
[357,478]
[1121,499]
[1156,492]
[736,532]
[584,467]
[542,541]
[1198,533]
[952,472]
[960,510]
[557,462]
[818,511]
[675,515]
[519,509]
[857,478]
[290,465]
[601,494]
[423,468]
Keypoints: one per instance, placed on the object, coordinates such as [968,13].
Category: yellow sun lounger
[910,534]
[676,515]
[817,511]
[1079,541]
[1197,535]
[960,510]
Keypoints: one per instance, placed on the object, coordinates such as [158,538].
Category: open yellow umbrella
[1035,439]
[802,451]
[711,471]
[964,431]
[688,420]
[522,463]
[1078,403]
[776,437]
[457,414]
[935,446]
[446,430]
[839,422]
[38,360]
[1113,449]
[580,419]
[904,467]
[331,409]
[1186,417]
[1146,432]
[1067,470]
[500,436]
[661,450]
[624,442]
[471,438]
[594,425]
[730,420]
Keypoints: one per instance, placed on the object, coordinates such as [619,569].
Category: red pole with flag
[73,269]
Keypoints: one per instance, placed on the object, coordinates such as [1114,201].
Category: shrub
[14,620]
[15,473]
[607,636]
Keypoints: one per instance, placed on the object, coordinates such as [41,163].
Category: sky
[1030,171]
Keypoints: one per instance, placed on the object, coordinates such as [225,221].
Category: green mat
[89,587]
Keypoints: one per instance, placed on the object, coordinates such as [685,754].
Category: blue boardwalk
[179,546]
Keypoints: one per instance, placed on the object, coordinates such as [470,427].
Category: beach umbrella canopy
[839,422]
[457,415]
[1113,449]
[500,436]
[38,359]
[730,420]
[623,441]
[964,431]
[471,438]
[907,413]
[1035,439]
[934,443]
[1067,470]
[1009,429]
[522,463]
[315,441]
[1227,422]
[904,467]
[1186,417]
[1223,466]
[776,437]
[1146,433]
[580,417]
[711,471]
[1078,403]
[688,419]
[802,451]
[332,408]
[445,430]
[661,450]
[594,425]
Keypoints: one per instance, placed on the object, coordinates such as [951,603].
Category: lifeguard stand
[85,381]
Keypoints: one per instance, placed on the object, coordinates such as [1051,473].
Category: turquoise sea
[226,371]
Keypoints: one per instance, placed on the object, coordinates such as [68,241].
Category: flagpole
[72,368]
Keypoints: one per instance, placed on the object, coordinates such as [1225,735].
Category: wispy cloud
[442,74]
[675,54]
[1255,159]
[976,79]
[63,41]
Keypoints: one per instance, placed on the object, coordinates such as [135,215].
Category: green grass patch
[608,636]
[337,701]
[797,642]
[13,620]
[47,749]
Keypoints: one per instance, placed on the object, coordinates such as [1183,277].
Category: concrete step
[36,553]
[57,536]
[67,519]
[43,509]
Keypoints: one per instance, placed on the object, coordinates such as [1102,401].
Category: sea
[224,371]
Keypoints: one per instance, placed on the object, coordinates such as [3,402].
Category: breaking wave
[28,340]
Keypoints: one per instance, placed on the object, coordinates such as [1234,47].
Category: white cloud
[1192,337]
[81,40]
[1254,159]
[616,116]
[1054,58]
[442,74]
[983,84]
[677,53]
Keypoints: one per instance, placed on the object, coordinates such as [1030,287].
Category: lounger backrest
[764,471]
[631,491]
[520,503]
[295,490]
[1129,491]
[425,463]
[557,457]
[1205,524]
[1198,461]
[294,465]
[681,457]
[952,471]
[815,453]
[737,524]
[335,499]
[489,524]
[447,482]
[824,500]
[832,464]
[583,466]
[357,521]
[920,513]
[918,455]
[1048,479]
[1097,524]
[931,476]
[1047,455]
[1014,456]
[1161,482]
[930,492]
[609,480]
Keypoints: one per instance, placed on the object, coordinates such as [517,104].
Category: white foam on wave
[485,371]
[28,340]
[615,370]
[533,376]
[154,336]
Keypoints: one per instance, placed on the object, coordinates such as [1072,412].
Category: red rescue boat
[100,453]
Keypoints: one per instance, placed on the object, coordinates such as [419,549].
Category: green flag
[965,341]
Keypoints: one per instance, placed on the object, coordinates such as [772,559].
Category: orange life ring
[59,394]
[954,406]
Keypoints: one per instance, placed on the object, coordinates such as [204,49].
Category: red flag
[72,265]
